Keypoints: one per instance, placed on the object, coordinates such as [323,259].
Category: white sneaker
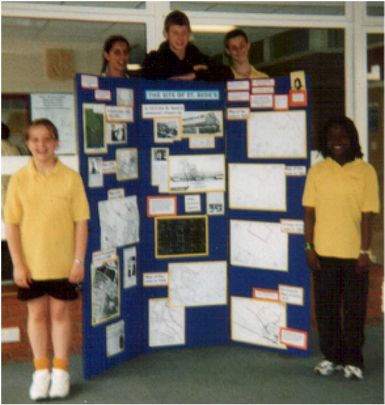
[40,384]
[352,372]
[60,383]
[326,367]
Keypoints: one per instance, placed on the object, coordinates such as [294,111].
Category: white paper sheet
[119,222]
[260,245]
[278,134]
[257,322]
[257,186]
[198,283]
[166,324]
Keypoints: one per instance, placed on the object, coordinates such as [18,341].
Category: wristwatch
[308,246]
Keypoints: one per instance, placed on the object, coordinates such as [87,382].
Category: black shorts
[60,289]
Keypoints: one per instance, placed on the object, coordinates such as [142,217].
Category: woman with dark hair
[116,52]
[341,194]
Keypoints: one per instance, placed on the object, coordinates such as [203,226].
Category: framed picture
[202,123]
[105,291]
[116,133]
[167,129]
[181,236]
[196,173]
[94,128]
[161,205]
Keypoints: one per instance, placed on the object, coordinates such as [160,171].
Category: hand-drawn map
[277,134]
[257,186]
[119,222]
[257,322]
[198,283]
[259,245]
[166,324]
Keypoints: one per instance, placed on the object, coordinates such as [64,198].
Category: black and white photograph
[167,129]
[130,267]
[95,172]
[124,96]
[215,203]
[208,123]
[196,173]
[127,164]
[159,168]
[115,338]
[105,291]
[159,154]
[117,133]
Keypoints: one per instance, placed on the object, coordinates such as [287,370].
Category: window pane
[375,54]
[266,7]
[375,8]
[25,41]
[279,51]
[109,4]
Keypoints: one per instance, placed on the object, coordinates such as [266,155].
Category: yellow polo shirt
[46,208]
[340,194]
[254,74]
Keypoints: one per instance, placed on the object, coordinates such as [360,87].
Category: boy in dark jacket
[179,59]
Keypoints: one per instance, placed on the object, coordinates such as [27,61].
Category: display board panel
[267,150]
[169,263]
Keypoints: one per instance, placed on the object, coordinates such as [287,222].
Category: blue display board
[268,154]
[179,192]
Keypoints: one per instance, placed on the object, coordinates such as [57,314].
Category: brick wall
[14,315]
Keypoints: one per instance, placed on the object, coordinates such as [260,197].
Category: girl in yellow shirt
[46,213]
[341,193]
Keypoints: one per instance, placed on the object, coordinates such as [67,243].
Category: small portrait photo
[130,270]
[160,154]
[167,129]
[95,172]
[117,133]
[124,96]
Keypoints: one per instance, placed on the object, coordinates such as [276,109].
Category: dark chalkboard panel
[181,236]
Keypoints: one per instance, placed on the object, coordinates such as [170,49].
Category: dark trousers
[341,298]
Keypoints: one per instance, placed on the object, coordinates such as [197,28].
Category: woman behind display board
[116,54]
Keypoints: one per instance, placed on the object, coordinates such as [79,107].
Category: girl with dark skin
[341,194]
[339,144]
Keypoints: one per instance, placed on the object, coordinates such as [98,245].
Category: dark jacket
[164,64]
